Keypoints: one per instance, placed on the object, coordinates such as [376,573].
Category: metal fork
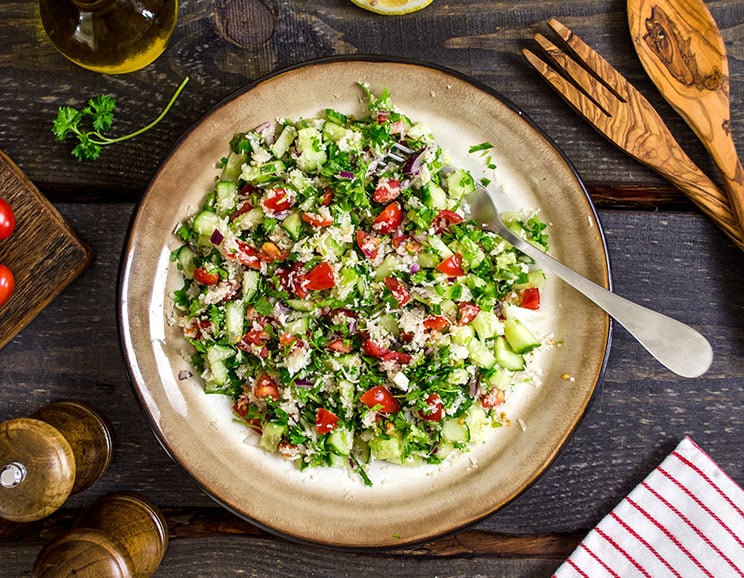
[623,115]
[677,346]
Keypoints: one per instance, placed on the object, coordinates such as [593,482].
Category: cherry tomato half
[206,277]
[266,387]
[388,219]
[436,322]
[380,395]
[434,408]
[7,219]
[320,277]
[531,298]
[468,311]
[398,289]
[386,191]
[325,421]
[452,266]
[7,284]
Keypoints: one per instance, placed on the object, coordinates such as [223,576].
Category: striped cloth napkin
[686,519]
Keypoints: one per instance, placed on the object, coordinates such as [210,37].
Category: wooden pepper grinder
[61,449]
[122,535]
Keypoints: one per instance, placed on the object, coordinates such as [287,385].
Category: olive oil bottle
[110,36]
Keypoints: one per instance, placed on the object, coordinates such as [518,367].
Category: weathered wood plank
[477,38]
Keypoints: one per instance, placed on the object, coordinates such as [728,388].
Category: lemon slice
[392,7]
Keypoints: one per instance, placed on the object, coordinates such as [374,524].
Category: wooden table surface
[664,254]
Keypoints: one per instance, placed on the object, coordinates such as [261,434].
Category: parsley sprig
[99,115]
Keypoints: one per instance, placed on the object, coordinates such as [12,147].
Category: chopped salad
[336,290]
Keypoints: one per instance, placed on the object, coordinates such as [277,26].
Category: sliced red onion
[304,383]
[345,175]
[263,127]
[413,164]
[474,386]
[414,268]
[184,374]
[217,237]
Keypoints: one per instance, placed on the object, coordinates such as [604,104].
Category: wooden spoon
[682,50]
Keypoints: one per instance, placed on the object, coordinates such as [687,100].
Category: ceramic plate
[406,504]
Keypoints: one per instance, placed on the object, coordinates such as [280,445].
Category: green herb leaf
[99,114]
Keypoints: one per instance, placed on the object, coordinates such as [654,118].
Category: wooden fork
[622,115]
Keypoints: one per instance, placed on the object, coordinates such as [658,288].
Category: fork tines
[586,80]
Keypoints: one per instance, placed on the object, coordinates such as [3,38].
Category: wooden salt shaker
[122,535]
[61,449]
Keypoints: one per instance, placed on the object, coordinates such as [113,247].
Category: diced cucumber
[341,440]
[480,354]
[471,252]
[264,173]
[284,141]
[487,325]
[234,316]
[449,308]
[507,358]
[271,435]
[388,266]
[478,422]
[219,353]
[428,260]
[249,220]
[439,246]
[226,197]
[334,132]
[185,260]
[219,375]
[459,376]
[292,223]
[434,196]
[301,304]
[390,449]
[250,284]
[206,222]
[534,279]
[361,451]
[499,378]
[455,429]
[459,184]
[312,154]
[462,334]
[216,356]
[233,167]
[390,324]
[519,337]
[297,326]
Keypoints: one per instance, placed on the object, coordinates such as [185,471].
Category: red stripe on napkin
[685,519]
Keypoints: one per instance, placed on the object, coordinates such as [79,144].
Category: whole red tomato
[7,219]
[7,284]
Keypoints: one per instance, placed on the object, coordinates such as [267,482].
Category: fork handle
[675,345]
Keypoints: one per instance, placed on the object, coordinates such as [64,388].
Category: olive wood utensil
[623,115]
[681,48]
[677,346]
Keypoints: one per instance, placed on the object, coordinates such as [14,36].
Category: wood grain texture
[43,253]
[683,52]
[625,117]
[475,37]
[675,262]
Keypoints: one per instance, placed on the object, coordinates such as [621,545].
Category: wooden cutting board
[43,252]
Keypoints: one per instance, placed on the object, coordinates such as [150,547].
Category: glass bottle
[109,36]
